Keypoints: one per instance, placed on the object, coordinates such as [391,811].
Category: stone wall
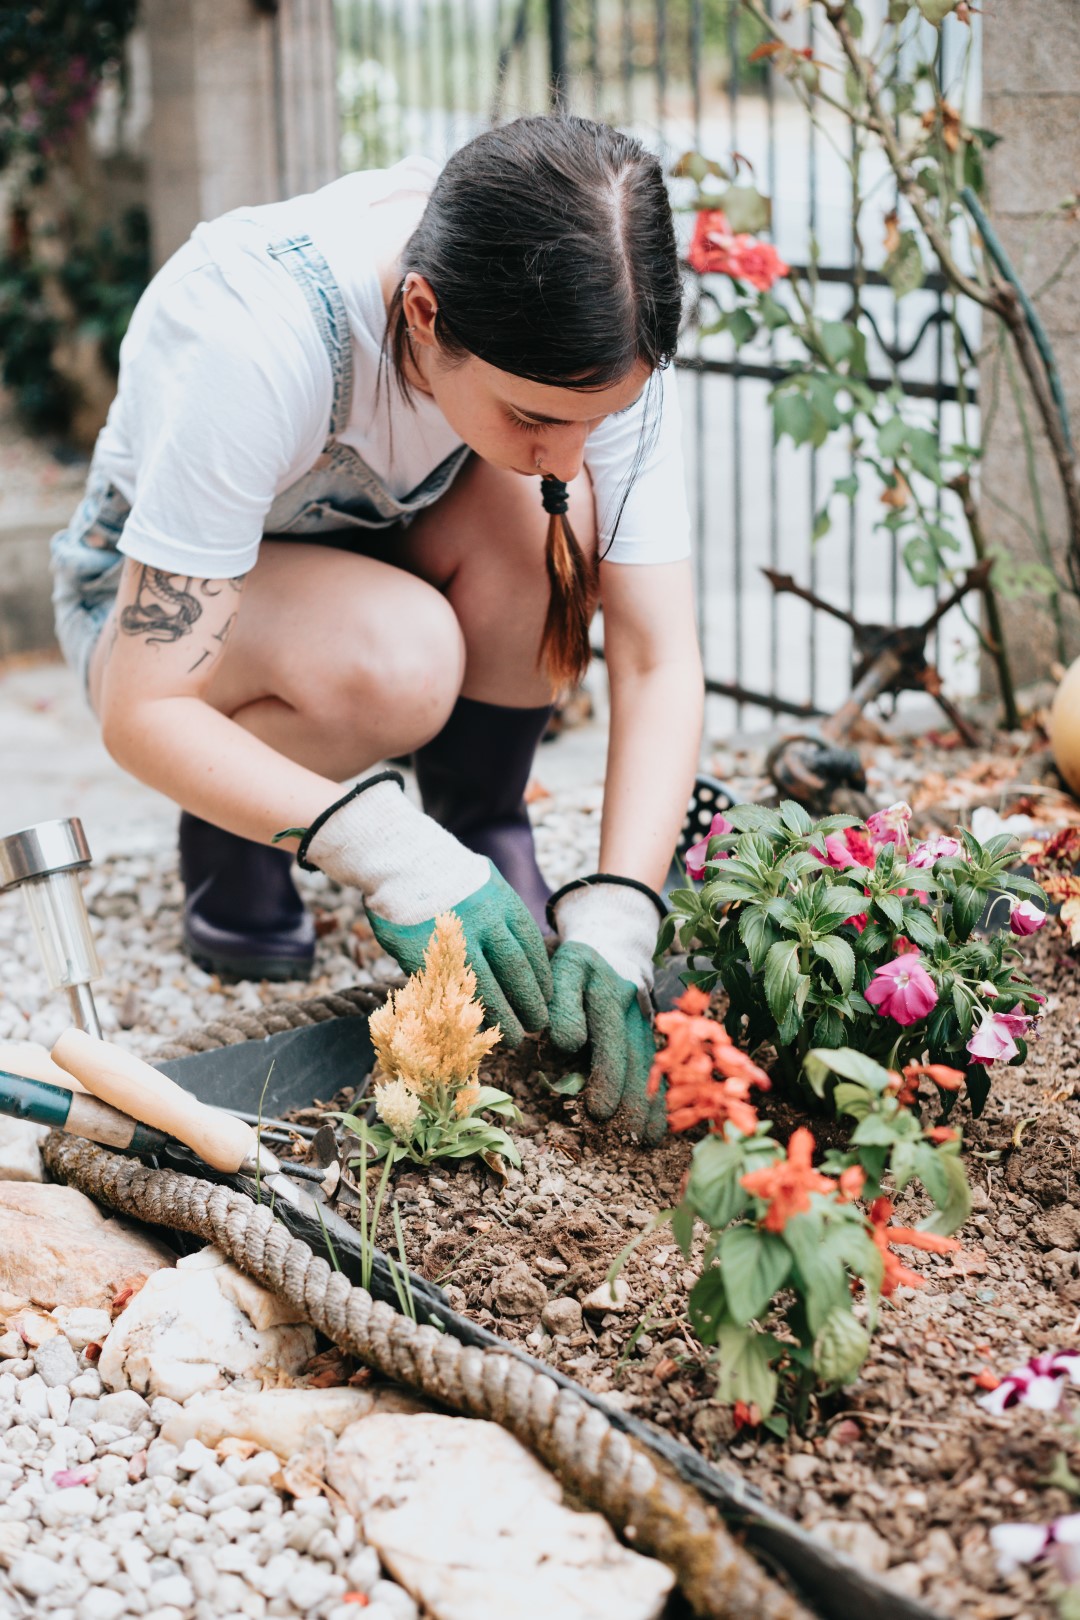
[1031,98]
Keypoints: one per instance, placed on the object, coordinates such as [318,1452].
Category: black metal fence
[425,75]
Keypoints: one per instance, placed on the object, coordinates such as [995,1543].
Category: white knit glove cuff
[405,865]
[619,922]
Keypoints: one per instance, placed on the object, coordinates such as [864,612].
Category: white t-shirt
[225,395]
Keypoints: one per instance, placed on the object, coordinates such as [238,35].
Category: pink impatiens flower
[902,989]
[940,848]
[995,1039]
[1025,917]
[1059,1543]
[698,853]
[1039,1383]
[891,826]
[840,855]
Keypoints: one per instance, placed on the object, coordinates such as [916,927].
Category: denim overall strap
[298,254]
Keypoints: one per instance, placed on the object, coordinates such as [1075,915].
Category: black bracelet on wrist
[339,804]
[593,881]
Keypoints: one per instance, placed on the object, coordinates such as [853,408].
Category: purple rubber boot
[472,780]
[243,917]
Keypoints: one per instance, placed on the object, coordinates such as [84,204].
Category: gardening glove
[409,869]
[602,968]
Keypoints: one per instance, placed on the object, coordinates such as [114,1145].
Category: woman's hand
[602,971]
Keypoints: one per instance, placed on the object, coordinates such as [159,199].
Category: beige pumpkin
[1065,727]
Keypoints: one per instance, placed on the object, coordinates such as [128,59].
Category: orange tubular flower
[788,1183]
[898,1275]
[906,1085]
[852,1181]
[698,1048]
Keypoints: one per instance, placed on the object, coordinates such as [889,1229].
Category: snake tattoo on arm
[166,608]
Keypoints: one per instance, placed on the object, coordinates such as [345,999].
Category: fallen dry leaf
[233,1446]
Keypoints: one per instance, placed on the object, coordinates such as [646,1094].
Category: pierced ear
[420,307]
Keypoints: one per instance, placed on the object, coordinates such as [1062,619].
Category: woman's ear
[420,308]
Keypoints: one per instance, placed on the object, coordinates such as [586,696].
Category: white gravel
[99,1518]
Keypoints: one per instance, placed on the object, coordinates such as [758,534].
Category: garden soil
[901,1470]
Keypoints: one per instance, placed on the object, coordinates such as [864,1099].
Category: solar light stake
[45,862]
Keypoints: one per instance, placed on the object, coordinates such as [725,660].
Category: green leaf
[744,1370]
[904,267]
[852,1100]
[978,1088]
[713,1190]
[830,901]
[848,487]
[682,1228]
[758,933]
[745,209]
[707,1305]
[935,11]
[943,1175]
[753,818]
[891,907]
[852,1065]
[568,1085]
[919,928]
[898,10]
[781,976]
[841,1347]
[793,415]
[829,1030]
[754,1265]
[967,908]
[840,957]
[837,340]
[795,818]
[891,436]
[742,326]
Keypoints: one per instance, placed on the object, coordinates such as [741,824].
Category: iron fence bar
[558,55]
[779,373]
[812,159]
[774,489]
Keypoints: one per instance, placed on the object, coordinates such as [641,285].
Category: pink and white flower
[1025,917]
[902,989]
[995,1039]
[840,855]
[1059,1543]
[940,848]
[1039,1383]
[698,854]
[891,826]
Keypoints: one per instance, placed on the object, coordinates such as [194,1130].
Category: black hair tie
[554,495]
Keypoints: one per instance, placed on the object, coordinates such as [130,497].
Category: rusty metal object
[811,765]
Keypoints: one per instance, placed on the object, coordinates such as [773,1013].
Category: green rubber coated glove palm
[592,1005]
[504,947]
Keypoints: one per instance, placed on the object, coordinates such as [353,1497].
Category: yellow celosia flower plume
[428,1033]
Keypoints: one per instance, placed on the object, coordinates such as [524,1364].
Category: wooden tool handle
[33,1061]
[131,1085]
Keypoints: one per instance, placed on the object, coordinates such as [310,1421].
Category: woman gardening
[324,526]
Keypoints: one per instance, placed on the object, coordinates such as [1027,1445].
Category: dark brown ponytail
[564,645]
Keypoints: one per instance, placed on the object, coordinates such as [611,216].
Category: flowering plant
[428,1048]
[786,1239]
[840,934]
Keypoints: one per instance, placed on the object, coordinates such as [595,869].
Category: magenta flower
[891,826]
[1025,917]
[839,854]
[930,850]
[66,1477]
[995,1039]
[698,854]
[1059,1542]
[1039,1383]
[902,989]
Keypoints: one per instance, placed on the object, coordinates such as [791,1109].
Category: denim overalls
[339,494]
